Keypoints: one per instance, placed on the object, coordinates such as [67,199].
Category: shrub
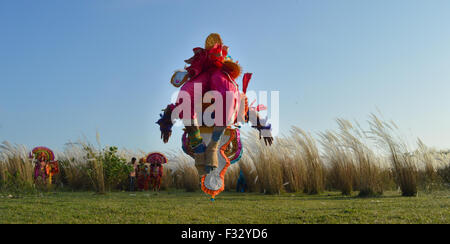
[444,173]
[116,169]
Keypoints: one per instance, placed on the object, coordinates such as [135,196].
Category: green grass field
[182,207]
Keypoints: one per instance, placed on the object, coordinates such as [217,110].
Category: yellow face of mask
[212,40]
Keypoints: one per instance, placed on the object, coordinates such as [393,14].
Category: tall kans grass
[404,165]
[308,155]
[341,163]
[16,169]
[348,160]
[353,163]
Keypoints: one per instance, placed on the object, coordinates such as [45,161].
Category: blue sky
[71,68]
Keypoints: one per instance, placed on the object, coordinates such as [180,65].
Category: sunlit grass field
[182,207]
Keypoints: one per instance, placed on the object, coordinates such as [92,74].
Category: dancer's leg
[198,146]
[158,181]
[212,159]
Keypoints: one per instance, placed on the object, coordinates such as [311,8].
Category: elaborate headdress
[156,157]
[42,153]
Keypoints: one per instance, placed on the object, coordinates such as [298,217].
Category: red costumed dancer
[156,173]
[40,172]
[45,165]
[156,161]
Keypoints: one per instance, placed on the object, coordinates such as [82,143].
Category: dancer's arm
[262,126]
[166,123]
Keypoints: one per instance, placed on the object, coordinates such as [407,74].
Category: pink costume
[210,71]
[229,90]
